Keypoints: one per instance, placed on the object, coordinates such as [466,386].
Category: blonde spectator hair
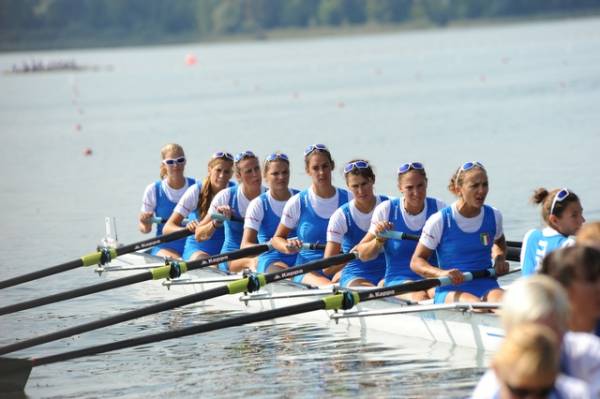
[534,299]
[530,352]
[589,234]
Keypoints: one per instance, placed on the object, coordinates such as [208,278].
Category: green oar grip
[94,258]
[240,286]
[164,272]
[335,302]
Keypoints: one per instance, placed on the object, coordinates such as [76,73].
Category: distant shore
[54,41]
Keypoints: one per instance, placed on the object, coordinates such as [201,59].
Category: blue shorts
[478,287]
[305,257]
[267,258]
[176,246]
[347,277]
[211,247]
[398,280]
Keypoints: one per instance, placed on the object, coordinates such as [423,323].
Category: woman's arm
[422,267]
[145,222]
[371,245]
[281,243]
[332,249]
[499,255]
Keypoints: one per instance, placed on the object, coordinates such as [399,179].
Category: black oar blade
[14,374]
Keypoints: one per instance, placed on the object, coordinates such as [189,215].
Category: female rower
[407,215]
[232,203]
[264,213]
[194,205]
[309,211]
[465,236]
[349,224]
[563,215]
[161,197]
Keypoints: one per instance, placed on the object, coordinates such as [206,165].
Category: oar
[15,372]
[513,248]
[247,284]
[102,256]
[159,220]
[222,218]
[171,269]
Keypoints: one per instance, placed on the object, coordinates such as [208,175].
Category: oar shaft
[41,273]
[93,258]
[109,321]
[62,296]
[149,243]
[197,329]
[158,273]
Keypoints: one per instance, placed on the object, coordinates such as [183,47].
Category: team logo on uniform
[485,239]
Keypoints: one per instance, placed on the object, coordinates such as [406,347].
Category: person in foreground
[577,269]
[466,236]
[407,215]
[233,202]
[563,216]
[349,224]
[540,299]
[309,211]
[194,205]
[161,197]
[527,365]
[264,213]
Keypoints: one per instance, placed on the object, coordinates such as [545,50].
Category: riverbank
[44,40]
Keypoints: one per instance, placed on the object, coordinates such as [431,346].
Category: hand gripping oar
[172,269]
[15,372]
[247,284]
[513,248]
[222,218]
[102,256]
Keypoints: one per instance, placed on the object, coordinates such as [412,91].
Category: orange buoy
[87,151]
[190,59]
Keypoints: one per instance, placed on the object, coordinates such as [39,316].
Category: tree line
[52,22]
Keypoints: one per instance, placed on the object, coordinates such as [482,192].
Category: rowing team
[464,236]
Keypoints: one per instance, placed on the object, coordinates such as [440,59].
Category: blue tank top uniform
[211,246]
[398,253]
[467,252]
[312,229]
[234,230]
[266,231]
[164,208]
[372,270]
[537,246]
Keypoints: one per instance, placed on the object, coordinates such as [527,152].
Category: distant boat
[36,66]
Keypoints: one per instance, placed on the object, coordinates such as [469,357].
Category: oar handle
[419,285]
[398,235]
[309,245]
[222,218]
[159,220]
[513,252]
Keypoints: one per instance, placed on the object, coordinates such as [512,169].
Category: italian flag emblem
[485,239]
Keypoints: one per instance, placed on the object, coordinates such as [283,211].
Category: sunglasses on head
[275,156]
[468,166]
[313,147]
[355,165]
[171,162]
[411,165]
[559,197]
[222,154]
[529,392]
[244,155]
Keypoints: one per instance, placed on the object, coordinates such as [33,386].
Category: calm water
[522,99]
